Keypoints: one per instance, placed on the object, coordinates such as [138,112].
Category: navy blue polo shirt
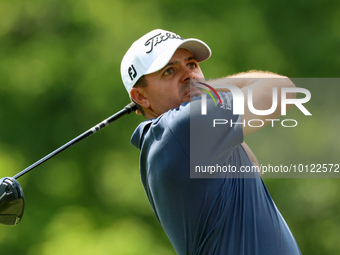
[228,214]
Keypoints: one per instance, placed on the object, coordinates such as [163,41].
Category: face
[170,86]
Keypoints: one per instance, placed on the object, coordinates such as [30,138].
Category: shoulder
[174,122]
[178,122]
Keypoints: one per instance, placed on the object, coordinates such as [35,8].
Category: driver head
[11,201]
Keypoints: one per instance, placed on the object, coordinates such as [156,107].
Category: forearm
[262,86]
[243,79]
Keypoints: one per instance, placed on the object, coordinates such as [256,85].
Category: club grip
[131,107]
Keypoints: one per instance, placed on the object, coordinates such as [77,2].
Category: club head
[12,202]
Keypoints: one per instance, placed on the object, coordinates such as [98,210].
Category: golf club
[12,202]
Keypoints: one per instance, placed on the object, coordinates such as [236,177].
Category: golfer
[226,213]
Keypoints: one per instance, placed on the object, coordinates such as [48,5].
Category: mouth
[192,92]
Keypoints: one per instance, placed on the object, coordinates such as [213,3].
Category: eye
[192,65]
[168,71]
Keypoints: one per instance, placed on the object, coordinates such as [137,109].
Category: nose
[187,74]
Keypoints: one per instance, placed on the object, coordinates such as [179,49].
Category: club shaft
[126,110]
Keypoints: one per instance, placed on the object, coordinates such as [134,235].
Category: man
[231,213]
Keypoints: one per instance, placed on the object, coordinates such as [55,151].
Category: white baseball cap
[153,51]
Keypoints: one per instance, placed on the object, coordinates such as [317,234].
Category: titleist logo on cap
[153,41]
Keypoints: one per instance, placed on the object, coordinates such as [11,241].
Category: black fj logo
[132,72]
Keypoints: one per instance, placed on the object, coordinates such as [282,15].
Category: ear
[137,95]
[138,112]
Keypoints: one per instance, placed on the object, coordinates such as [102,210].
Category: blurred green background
[59,76]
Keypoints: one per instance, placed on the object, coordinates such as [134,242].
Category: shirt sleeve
[214,136]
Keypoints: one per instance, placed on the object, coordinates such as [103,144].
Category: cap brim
[197,47]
